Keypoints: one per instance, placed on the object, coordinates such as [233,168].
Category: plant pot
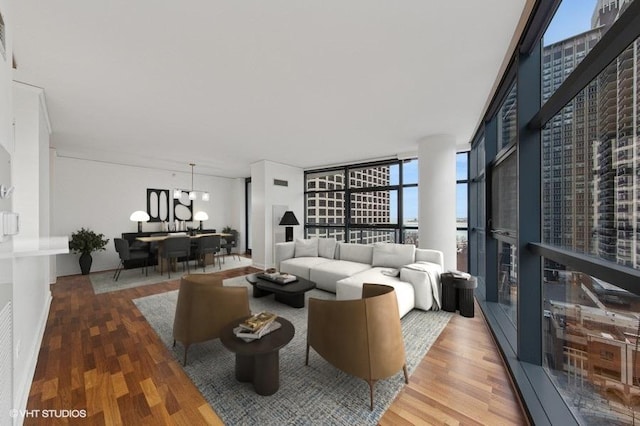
[85,263]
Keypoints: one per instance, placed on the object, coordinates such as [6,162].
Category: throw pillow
[390,272]
[306,248]
[327,247]
[393,255]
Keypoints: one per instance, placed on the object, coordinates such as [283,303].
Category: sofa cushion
[327,247]
[326,274]
[392,255]
[300,266]
[351,288]
[306,248]
[360,253]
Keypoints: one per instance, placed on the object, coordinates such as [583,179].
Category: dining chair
[125,253]
[230,243]
[175,248]
[205,245]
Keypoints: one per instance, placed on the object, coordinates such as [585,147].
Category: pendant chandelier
[193,194]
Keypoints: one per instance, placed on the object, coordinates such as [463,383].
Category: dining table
[160,239]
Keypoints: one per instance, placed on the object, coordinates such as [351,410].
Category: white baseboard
[22,395]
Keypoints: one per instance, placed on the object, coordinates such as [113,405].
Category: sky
[572,17]
[410,175]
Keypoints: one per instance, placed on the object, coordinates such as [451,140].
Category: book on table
[278,277]
[249,336]
[254,323]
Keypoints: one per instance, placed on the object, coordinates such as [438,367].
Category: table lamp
[201,216]
[139,216]
[288,220]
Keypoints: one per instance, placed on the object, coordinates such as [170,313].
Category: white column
[437,183]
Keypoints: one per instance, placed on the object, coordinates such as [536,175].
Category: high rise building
[597,131]
[567,155]
[326,204]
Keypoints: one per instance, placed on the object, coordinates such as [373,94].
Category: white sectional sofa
[342,268]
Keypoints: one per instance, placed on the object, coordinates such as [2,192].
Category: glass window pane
[410,206]
[325,180]
[508,280]
[504,188]
[374,207]
[370,236]
[591,164]
[590,344]
[462,250]
[410,236]
[462,208]
[394,174]
[373,176]
[575,29]
[410,172]
[337,233]
[507,131]
[326,208]
[462,166]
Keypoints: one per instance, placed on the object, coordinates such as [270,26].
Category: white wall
[102,196]
[265,195]
[6,105]
[30,176]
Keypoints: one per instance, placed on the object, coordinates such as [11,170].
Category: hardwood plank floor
[100,355]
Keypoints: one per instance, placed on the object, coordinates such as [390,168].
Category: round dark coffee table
[259,361]
[291,294]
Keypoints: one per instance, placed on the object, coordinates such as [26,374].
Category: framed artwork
[183,208]
[158,205]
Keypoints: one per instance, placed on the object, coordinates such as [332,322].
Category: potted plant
[85,242]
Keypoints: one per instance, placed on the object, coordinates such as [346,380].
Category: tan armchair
[204,307]
[361,337]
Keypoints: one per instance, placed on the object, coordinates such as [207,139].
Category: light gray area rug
[103,282]
[312,395]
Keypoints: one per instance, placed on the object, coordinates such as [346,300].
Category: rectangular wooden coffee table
[291,294]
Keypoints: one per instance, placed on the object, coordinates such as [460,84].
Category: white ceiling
[224,84]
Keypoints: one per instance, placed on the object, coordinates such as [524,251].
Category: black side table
[449,293]
[465,296]
[457,294]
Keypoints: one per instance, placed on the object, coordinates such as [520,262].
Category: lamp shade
[201,216]
[289,219]
[139,216]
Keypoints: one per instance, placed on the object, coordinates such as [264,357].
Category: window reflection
[508,280]
[590,341]
[590,164]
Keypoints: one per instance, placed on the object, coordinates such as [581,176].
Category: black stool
[449,293]
[457,294]
[464,290]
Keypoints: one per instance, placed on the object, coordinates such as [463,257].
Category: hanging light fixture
[193,194]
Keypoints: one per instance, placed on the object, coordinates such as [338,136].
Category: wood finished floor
[100,355]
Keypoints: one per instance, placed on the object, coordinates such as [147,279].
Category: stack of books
[257,326]
[278,277]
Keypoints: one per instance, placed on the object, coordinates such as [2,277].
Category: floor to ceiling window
[462,211]
[555,178]
[364,203]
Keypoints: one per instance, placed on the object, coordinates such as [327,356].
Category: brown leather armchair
[361,337]
[204,307]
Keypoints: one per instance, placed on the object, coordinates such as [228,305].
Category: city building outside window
[583,325]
